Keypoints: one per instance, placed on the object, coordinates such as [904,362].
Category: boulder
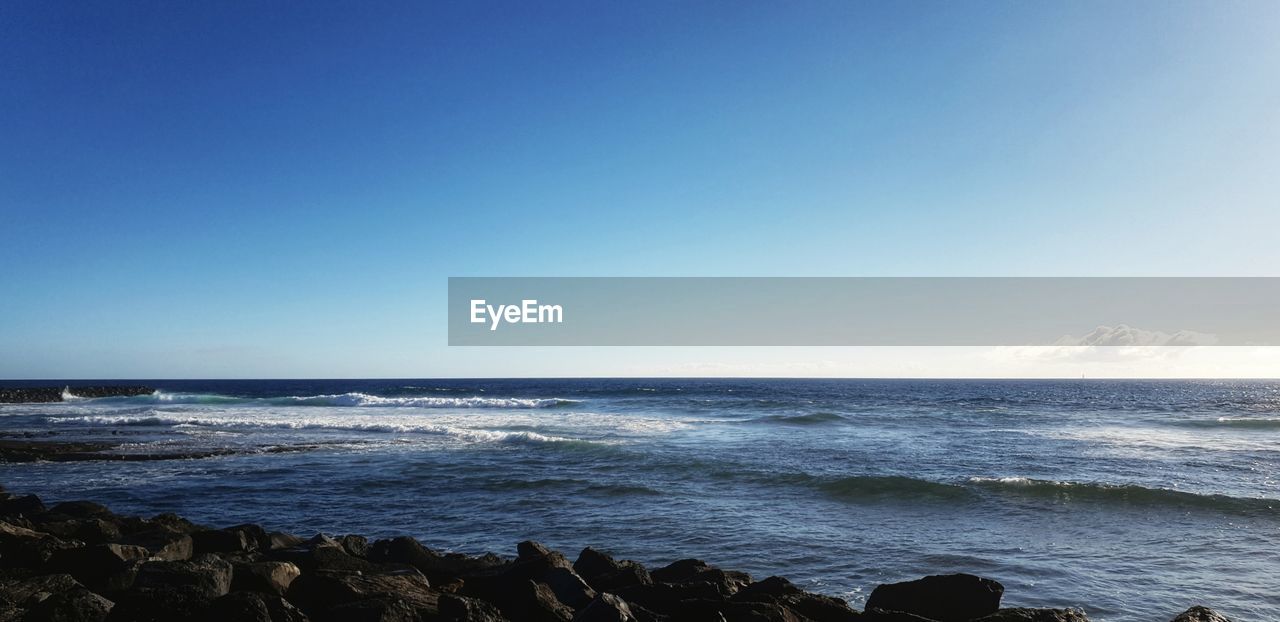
[21,547]
[163,544]
[74,605]
[96,566]
[781,592]
[946,598]
[1024,614]
[28,505]
[605,574]
[697,571]
[311,558]
[1200,614]
[268,577]
[82,509]
[27,591]
[206,576]
[87,530]
[464,609]
[440,569]
[281,540]
[223,541]
[317,592]
[378,609]
[547,567]
[356,546]
[252,607]
[605,608]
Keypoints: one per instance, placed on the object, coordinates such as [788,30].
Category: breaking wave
[1132,494]
[346,399]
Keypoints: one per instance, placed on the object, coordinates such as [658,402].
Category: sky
[241,189]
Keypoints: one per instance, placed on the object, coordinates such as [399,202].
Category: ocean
[1129,499]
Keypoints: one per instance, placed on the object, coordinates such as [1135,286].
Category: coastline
[78,561]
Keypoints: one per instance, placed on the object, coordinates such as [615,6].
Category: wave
[810,419]
[302,423]
[881,486]
[343,399]
[1132,494]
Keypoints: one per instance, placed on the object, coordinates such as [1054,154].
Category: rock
[605,574]
[82,509]
[356,546]
[27,591]
[163,544]
[175,523]
[26,548]
[281,540]
[311,558]
[28,505]
[463,609]
[95,566]
[696,570]
[260,539]
[267,577]
[1200,614]
[440,569]
[223,541]
[545,566]
[317,592]
[605,608]
[74,605]
[87,530]
[252,607]
[379,609]
[781,592]
[670,599]
[1024,614]
[946,598]
[880,615]
[206,576]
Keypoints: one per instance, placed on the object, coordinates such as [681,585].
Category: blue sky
[240,189]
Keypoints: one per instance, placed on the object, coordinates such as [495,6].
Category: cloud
[1125,335]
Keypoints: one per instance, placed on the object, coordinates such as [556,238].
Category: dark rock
[258,536]
[95,566]
[206,576]
[311,558]
[27,591]
[74,605]
[605,608]
[26,548]
[880,615]
[163,544]
[317,592]
[281,540]
[605,574]
[268,577]
[1200,614]
[669,598]
[82,509]
[356,546]
[223,541]
[440,569]
[457,608]
[27,505]
[252,607]
[179,590]
[545,566]
[781,592]
[946,598]
[1024,614]
[696,570]
[55,394]
[378,609]
[175,523]
[88,530]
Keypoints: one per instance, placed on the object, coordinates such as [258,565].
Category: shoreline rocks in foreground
[57,394]
[78,561]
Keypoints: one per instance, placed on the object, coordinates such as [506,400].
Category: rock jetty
[58,394]
[78,561]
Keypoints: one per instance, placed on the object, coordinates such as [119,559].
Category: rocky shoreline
[78,561]
[58,394]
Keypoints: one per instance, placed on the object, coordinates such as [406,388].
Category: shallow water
[1131,500]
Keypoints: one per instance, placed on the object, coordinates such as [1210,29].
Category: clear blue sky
[282,189]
